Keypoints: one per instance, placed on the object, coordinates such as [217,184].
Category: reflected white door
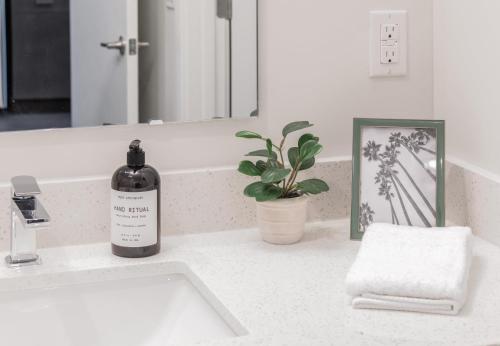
[104,81]
[185,74]
[244,59]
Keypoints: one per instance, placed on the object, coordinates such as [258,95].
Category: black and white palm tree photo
[398,176]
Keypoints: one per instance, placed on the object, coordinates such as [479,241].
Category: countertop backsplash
[198,201]
[473,199]
[210,200]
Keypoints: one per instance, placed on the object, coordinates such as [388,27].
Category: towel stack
[411,269]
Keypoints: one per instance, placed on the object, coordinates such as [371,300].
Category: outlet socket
[388,43]
[389,54]
[389,32]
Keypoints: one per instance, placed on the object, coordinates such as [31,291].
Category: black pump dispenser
[135,207]
[136,157]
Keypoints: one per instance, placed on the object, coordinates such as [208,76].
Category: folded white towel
[411,269]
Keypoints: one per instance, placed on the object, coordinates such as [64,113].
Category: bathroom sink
[145,311]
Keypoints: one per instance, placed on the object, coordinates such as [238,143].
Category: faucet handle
[24,186]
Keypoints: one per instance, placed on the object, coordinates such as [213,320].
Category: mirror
[75,63]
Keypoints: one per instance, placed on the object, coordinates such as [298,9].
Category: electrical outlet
[389,54]
[389,32]
[388,43]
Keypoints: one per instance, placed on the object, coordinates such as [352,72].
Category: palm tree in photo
[387,171]
[371,152]
[391,155]
[389,161]
[366,214]
[428,131]
[421,137]
[385,190]
[398,140]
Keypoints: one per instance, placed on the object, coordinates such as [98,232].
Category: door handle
[135,45]
[120,45]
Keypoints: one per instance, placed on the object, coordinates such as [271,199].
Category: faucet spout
[30,212]
[28,216]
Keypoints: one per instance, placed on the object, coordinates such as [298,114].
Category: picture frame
[398,173]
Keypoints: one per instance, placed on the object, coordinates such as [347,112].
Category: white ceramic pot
[282,221]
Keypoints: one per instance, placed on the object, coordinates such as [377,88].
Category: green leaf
[295,126]
[254,189]
[293,156]
[263,192]
[307,164]
[248,135]
[309,150]
[248,168]
[269,146]
[263,153]
[270,193]
[273,163]
[307,137]
[261,165]
[313,186]
[260,153]
[274,175]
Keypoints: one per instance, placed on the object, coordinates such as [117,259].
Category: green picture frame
[436,127]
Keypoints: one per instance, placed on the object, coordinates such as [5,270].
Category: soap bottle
[135,207]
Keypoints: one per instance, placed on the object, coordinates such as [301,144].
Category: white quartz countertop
[294,295]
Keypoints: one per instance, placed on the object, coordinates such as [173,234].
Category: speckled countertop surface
[288,295]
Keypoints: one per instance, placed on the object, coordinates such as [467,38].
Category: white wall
[467,79]
[313,66]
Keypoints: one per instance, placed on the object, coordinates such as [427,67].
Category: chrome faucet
[27,216]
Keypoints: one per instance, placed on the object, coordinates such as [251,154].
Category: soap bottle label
[134,218]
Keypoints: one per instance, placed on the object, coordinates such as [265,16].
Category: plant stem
[281,152]
[280,149]
[292,178]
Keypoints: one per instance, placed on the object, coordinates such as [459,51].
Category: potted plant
[281,198]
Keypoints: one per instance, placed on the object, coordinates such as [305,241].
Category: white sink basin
[149,311]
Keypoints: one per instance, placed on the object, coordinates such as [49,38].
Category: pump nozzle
[136,156]
[135,145]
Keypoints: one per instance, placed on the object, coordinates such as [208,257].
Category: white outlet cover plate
[377,20]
